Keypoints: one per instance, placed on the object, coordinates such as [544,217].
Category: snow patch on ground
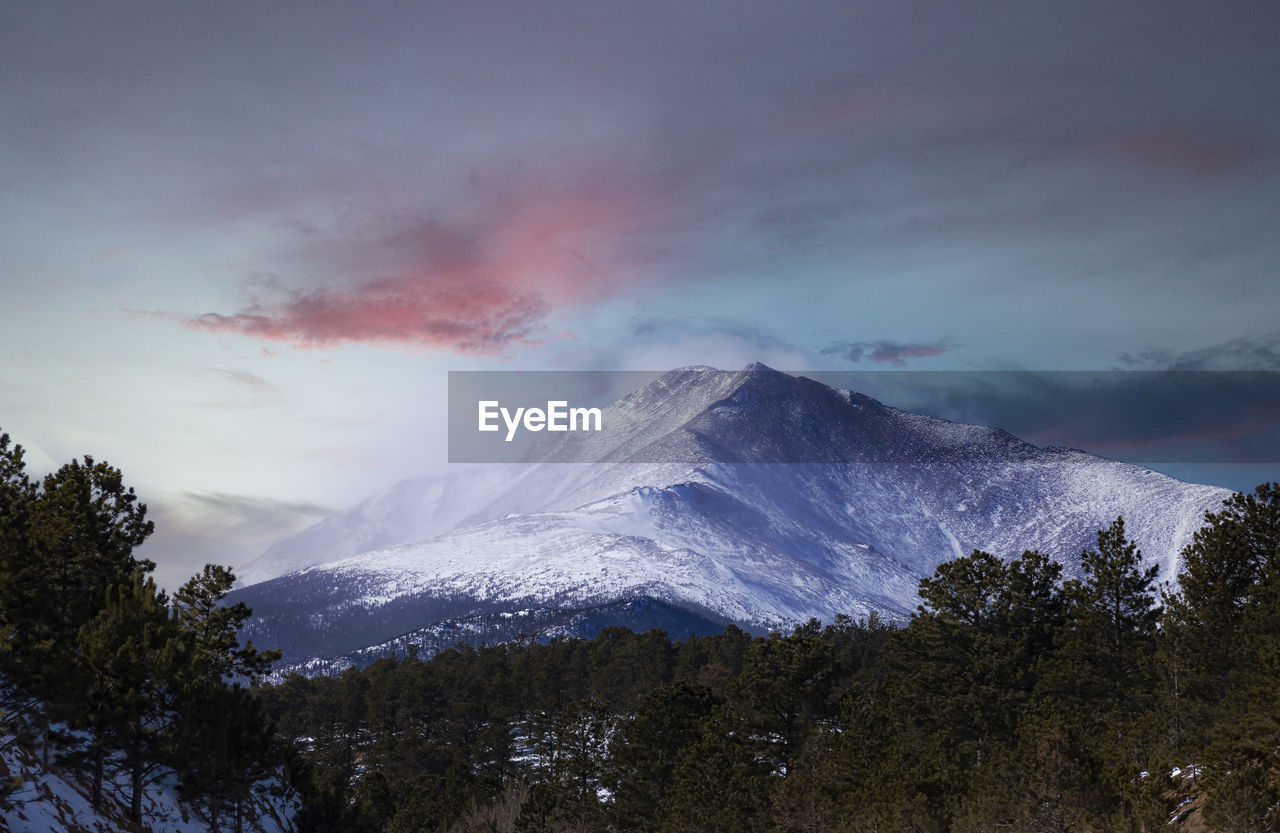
[59,802]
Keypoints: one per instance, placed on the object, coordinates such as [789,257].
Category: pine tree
[1223,652]
[1080,740]
[223,740]
[721,784]
[647,749]
[1116,615]
[576,752]
[214,628]
[1225,616]
[17,496]
[62,544]
[130,654]
[225,746]
[8,783]
[973,649]
[785,687]
[958,681]
[84,527]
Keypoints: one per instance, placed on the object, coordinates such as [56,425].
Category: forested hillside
[1013,699]
[110,686]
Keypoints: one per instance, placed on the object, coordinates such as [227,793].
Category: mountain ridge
[687,503]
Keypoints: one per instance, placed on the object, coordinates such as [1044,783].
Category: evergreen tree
[1115,617]
[224,746]
[374,803]
[971,651]
[17,496]
[130,655]
[958,680]
[222,743]
[721,784]
[214,628]
[84,526]
[1223,657]
[86,639]
[1225,616]
[647,749]
[576,755]
[1243,778]
[785,688]
[1083,655]
[8,783]
[811,799]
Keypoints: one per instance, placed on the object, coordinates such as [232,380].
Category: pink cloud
[1178,148]
[482,280]
[433,310]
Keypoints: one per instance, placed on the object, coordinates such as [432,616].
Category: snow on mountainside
[685,504]
[408,511]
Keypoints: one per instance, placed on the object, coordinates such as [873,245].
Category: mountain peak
[762,415]
[872,500]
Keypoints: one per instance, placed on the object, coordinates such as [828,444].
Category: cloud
[845,111]
[885,352]
[252,390]
[661,343]
[667,329]
[481,270]
[1178,148]
[469,317]
[197,528]
[240,514]
[1161,416]
[787,144]
[1234,354]
[1145,416]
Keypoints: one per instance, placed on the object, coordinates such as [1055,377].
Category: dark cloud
[397,160]
[884,352]
[658,329]
[1235,354]
[380,166]
[1151,417]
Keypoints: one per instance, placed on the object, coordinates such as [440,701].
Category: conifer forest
[1019,697]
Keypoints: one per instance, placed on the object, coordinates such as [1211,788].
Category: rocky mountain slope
[751,497]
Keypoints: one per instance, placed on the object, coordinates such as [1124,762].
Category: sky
[242,244]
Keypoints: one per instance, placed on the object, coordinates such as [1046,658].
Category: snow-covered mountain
[751,497]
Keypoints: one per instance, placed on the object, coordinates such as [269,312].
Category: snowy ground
[58,802]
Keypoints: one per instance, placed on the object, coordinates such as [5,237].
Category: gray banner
[762,415]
